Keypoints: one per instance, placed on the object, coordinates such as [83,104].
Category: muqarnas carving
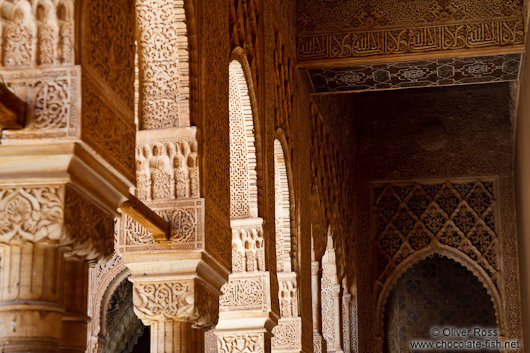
[459,215]
[167,170]
[37,32]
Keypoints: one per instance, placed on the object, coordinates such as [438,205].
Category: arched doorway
[436,293]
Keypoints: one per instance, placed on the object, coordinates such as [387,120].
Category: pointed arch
[243,149]
[452,254]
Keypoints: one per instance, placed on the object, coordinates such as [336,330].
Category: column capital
[162,299]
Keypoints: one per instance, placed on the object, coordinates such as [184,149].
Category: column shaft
[173,337]
[31,310]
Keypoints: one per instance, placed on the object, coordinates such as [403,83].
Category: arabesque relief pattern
[164,86]
[349,28]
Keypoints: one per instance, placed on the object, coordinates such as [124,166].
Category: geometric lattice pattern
[410,217]
[425,73]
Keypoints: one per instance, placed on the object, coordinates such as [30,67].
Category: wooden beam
[12,109]
[146,217]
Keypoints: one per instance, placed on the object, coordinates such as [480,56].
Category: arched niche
[448,253]
[243,142]
[436,292]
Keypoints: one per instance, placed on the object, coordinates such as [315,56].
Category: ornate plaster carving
[243,160]
[187,227]
[185,300]
[454,219]
[167,167]
[37,33]
[56,214]
[245,342]
[164,63]
[360,28]
[53,98]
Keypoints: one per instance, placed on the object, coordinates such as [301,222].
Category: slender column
[346,325]
[336,322]
[319,344]
[331,306]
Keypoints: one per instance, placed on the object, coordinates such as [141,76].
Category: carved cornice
[361,28]
[447,37]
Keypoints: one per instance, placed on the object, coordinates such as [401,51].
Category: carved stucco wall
[433,134]
[436,292]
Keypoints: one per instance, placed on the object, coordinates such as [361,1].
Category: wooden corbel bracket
[12,109]
[146,217]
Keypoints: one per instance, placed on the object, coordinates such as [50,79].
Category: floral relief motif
[457,214]
[164,81]
[52,105]
[108,45]
[31,214]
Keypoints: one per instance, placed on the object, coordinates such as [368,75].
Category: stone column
[331,306]
[31,295]
[319,344]
[42,293]
[246,312]
[175,310]
[346,325]
[65,168]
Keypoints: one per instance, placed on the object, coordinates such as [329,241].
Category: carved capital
[288,335]
[176,300]
[244,342]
